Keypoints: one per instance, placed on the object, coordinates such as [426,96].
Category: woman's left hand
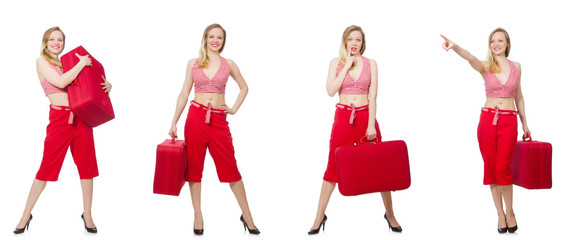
[526,132]
[106,85]
[227,109]
[371,134]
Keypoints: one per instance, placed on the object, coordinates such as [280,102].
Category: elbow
[330,93]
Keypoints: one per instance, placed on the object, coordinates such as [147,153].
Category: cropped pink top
[202,84]
[495,89]
[361,85]
[50,88]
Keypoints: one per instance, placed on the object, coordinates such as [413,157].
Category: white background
[428,97]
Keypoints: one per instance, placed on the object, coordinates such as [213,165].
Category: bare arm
[371,131]
[520,105]
[45,71]
[182,97]
[334,80]
[237,76]
[474,62]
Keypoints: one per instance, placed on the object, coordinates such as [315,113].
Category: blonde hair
[202,56]
[492,61]
[45,52]
[343,47]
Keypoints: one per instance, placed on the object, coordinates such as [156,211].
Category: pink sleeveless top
[48,87]
[202,84]
[359,87]
[495,89]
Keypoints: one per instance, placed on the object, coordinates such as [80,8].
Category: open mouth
[215,45]
[353,49]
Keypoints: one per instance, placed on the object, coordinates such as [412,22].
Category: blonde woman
[355,78]
[497,130]
[206,125]
[64,130]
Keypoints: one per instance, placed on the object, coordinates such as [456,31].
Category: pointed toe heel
[316,231]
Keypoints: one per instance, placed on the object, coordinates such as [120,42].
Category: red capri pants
[350,126]
[66,131]
[207,128]
[497,136]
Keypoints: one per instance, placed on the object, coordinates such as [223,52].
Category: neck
[502,57]
[212,54]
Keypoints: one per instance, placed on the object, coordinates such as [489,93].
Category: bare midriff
[502,103]
[216,99]
[59,99]
[357,100]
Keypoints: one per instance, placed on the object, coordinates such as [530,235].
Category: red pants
[350,126]
[497,135]
[208,128]
[66,131]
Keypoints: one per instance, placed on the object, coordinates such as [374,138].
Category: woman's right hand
[349,60]
[85,60]
[447,45]
[172,132]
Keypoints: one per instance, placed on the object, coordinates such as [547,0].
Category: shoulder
[192,62]
[372,62]
[335,62]
[230,62]
[485,63]
[517,65]
[41,61]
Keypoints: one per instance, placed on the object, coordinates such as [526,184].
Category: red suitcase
[372,167]
[86,98]
[531,164]
[170,168]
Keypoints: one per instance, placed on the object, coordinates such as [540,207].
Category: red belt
[70,120]
[497,112]
[208,109]
[353,110]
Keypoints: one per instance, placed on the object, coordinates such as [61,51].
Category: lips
[353,49]
[214,45]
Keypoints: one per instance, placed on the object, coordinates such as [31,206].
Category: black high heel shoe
[252,231]
[394,229]
[89,230]
[199,231]
[512,229]
[316,231]
[21,230]
[504,229]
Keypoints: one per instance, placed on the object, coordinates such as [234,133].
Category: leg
[87,189]
[196,141]
[37,187]
[507,193]
[240,194]
[388,202]
[326,191]
[497,196]
[195,195]
[507,131]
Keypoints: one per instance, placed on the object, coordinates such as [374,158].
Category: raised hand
[447,45]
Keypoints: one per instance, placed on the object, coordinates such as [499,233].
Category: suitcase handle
[376,140]
[529,136]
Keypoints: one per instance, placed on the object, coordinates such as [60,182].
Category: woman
[355,78]
[497,130]
[64,130]
[206,125]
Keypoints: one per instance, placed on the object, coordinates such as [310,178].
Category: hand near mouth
[350,59]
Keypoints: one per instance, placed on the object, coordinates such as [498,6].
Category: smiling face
[55,42]
[215,40]
[499,42]
[354,42]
